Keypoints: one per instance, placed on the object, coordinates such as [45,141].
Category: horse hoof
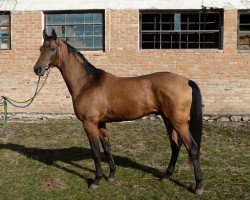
[199,191]
[93,186]
[165,178]
[111,179]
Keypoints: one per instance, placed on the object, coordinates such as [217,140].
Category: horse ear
[45,36]
[53,33]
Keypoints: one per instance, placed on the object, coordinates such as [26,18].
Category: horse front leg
[107,150]
[93,135]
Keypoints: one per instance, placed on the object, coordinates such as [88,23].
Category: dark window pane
[147,45]
[148,37]
[150,17]
[89,41]
[88,18]
[166,41]
[49,19]
[148,26]
[150,22]
[210,40]
[244,18]
[88,29]
[245,22]
[79,18]
[97,29]
[98,42]
[70,18]
[210,21]
[167,22]
[151,41]
[70,31]
[59,19]
[190,41]
[97,18]
[79,30]
[245,27]
[190,21]
[175,40]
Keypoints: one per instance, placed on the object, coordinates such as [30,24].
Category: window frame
[9,28]
[220,30]
[239,32]
[80,12]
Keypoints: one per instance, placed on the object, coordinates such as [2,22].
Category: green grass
[52,160]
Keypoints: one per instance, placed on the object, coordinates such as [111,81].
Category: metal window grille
[84,31]
[4,31]
[244,31]
[180,30]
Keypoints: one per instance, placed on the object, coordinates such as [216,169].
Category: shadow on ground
[72,154]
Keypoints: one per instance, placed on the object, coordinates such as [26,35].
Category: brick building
[207,41]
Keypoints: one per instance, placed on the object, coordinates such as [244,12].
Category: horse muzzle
[40,70]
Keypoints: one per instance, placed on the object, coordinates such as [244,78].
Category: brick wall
[223,75]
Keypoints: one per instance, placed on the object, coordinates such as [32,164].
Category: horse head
[48,53]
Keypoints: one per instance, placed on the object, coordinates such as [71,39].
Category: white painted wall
[26,5]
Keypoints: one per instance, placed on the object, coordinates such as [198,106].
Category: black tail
[195,125]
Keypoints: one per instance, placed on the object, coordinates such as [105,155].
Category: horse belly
[131,106]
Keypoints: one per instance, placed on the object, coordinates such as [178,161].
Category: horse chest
[88,106]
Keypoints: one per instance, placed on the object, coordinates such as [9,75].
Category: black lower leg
[174,147]
[175,152]
[107,150]
[95,151]
[195,157]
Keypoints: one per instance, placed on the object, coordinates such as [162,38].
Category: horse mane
[91,69]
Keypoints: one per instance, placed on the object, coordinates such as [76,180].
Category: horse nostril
[37,70]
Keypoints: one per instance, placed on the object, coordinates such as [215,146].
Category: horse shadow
[73,154]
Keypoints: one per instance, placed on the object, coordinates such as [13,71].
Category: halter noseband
[54,57]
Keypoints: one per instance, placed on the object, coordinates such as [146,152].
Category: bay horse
[99,97]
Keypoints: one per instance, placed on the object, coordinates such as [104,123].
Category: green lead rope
[5,100]
[4,117]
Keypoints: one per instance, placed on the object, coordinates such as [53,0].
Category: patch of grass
[52,160]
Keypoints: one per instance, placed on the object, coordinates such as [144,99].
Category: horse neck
[75,72]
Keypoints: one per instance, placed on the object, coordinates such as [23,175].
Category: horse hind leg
[192,148]
[107,150]
[175,147]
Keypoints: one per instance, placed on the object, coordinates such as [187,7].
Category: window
[244,31]
[181,30]
[84,31]
[4,31]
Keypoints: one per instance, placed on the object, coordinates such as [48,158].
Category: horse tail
[195,124]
